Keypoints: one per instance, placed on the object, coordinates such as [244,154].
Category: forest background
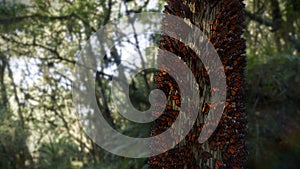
[39,42]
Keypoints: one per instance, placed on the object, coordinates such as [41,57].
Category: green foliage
[41,42]
[9,11]
[275,80]
[57,154]
[13,146]
[274,113]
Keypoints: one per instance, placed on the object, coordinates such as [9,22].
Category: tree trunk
[222,22]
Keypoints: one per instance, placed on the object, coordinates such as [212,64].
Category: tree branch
[55,52]
[258,19]
[8,20]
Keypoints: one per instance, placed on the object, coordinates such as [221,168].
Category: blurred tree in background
[39,45]
[273,83]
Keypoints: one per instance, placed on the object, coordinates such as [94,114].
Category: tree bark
[223,23]
[3,64]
